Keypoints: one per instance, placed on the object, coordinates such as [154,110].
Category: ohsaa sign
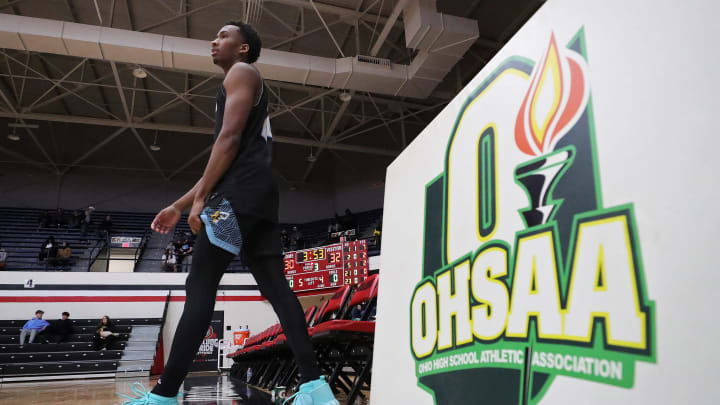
[567,296]
[550,236]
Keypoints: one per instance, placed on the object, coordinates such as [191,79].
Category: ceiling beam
[328,134]
[388,26]
[181,15]
[336,10]
[194,130]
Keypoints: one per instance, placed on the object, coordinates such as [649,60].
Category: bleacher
[131,354]
[343,346]
[21,235]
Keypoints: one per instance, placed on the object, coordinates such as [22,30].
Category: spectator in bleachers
[64,255]
[34,327]
[76,220]
[43,219]
[87,219]
[60,329]
[333,226]
[356,313]
[284,240]
[169,260]
[349,220]
[48,249]
[58,219]
[371,316]
[377,236]
[106,226]
[3,257]
[105,334]
[184,250]
[296,239]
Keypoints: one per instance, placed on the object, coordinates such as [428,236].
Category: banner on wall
[206,357]
[519,275]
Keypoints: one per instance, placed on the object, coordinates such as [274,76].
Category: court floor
[197,389]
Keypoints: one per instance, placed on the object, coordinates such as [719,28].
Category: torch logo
[556,98]
[526,275]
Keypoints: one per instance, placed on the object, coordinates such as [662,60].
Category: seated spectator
[106,226]
[333,226]
[58,219]
[34,327]
[76,220]
[371,316]
[169,260]
[48,249]
[105,334]
[356,313]
[377,235]
[43,219]
[59,330]
[349,221]
[284,240]
[3,257]
[296,239]
[64,255]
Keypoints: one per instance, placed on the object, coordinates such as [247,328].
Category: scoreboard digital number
[327,266]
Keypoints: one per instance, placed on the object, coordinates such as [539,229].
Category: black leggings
[262,253]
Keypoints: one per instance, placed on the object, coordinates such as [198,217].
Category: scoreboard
[327,266]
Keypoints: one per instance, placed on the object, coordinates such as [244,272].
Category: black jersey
[248,183]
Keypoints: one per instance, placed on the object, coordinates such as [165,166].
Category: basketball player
[234,208]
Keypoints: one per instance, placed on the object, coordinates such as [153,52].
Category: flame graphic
[556,98]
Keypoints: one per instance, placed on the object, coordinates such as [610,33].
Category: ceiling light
[14,136]
[155,147]
[345,96]
[139,72]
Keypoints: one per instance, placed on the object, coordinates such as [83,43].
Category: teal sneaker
[145,397]
[316,392]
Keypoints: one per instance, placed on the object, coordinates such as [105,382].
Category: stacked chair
[343,346]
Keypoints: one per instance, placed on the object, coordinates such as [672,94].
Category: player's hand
[194,216]
[166,219]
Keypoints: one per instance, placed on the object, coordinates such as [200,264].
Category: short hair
[39,311]
[66,313]
[251,37]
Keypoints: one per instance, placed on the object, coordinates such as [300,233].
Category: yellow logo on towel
[218,215]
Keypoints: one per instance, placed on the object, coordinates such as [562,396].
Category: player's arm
[241,85]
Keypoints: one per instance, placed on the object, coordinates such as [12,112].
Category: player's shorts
[221,224]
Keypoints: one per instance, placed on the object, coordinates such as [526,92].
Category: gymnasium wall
[549,238]
[29,186]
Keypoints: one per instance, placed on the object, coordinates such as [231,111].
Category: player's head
[236,41]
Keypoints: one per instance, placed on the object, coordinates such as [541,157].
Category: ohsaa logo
[526,275]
